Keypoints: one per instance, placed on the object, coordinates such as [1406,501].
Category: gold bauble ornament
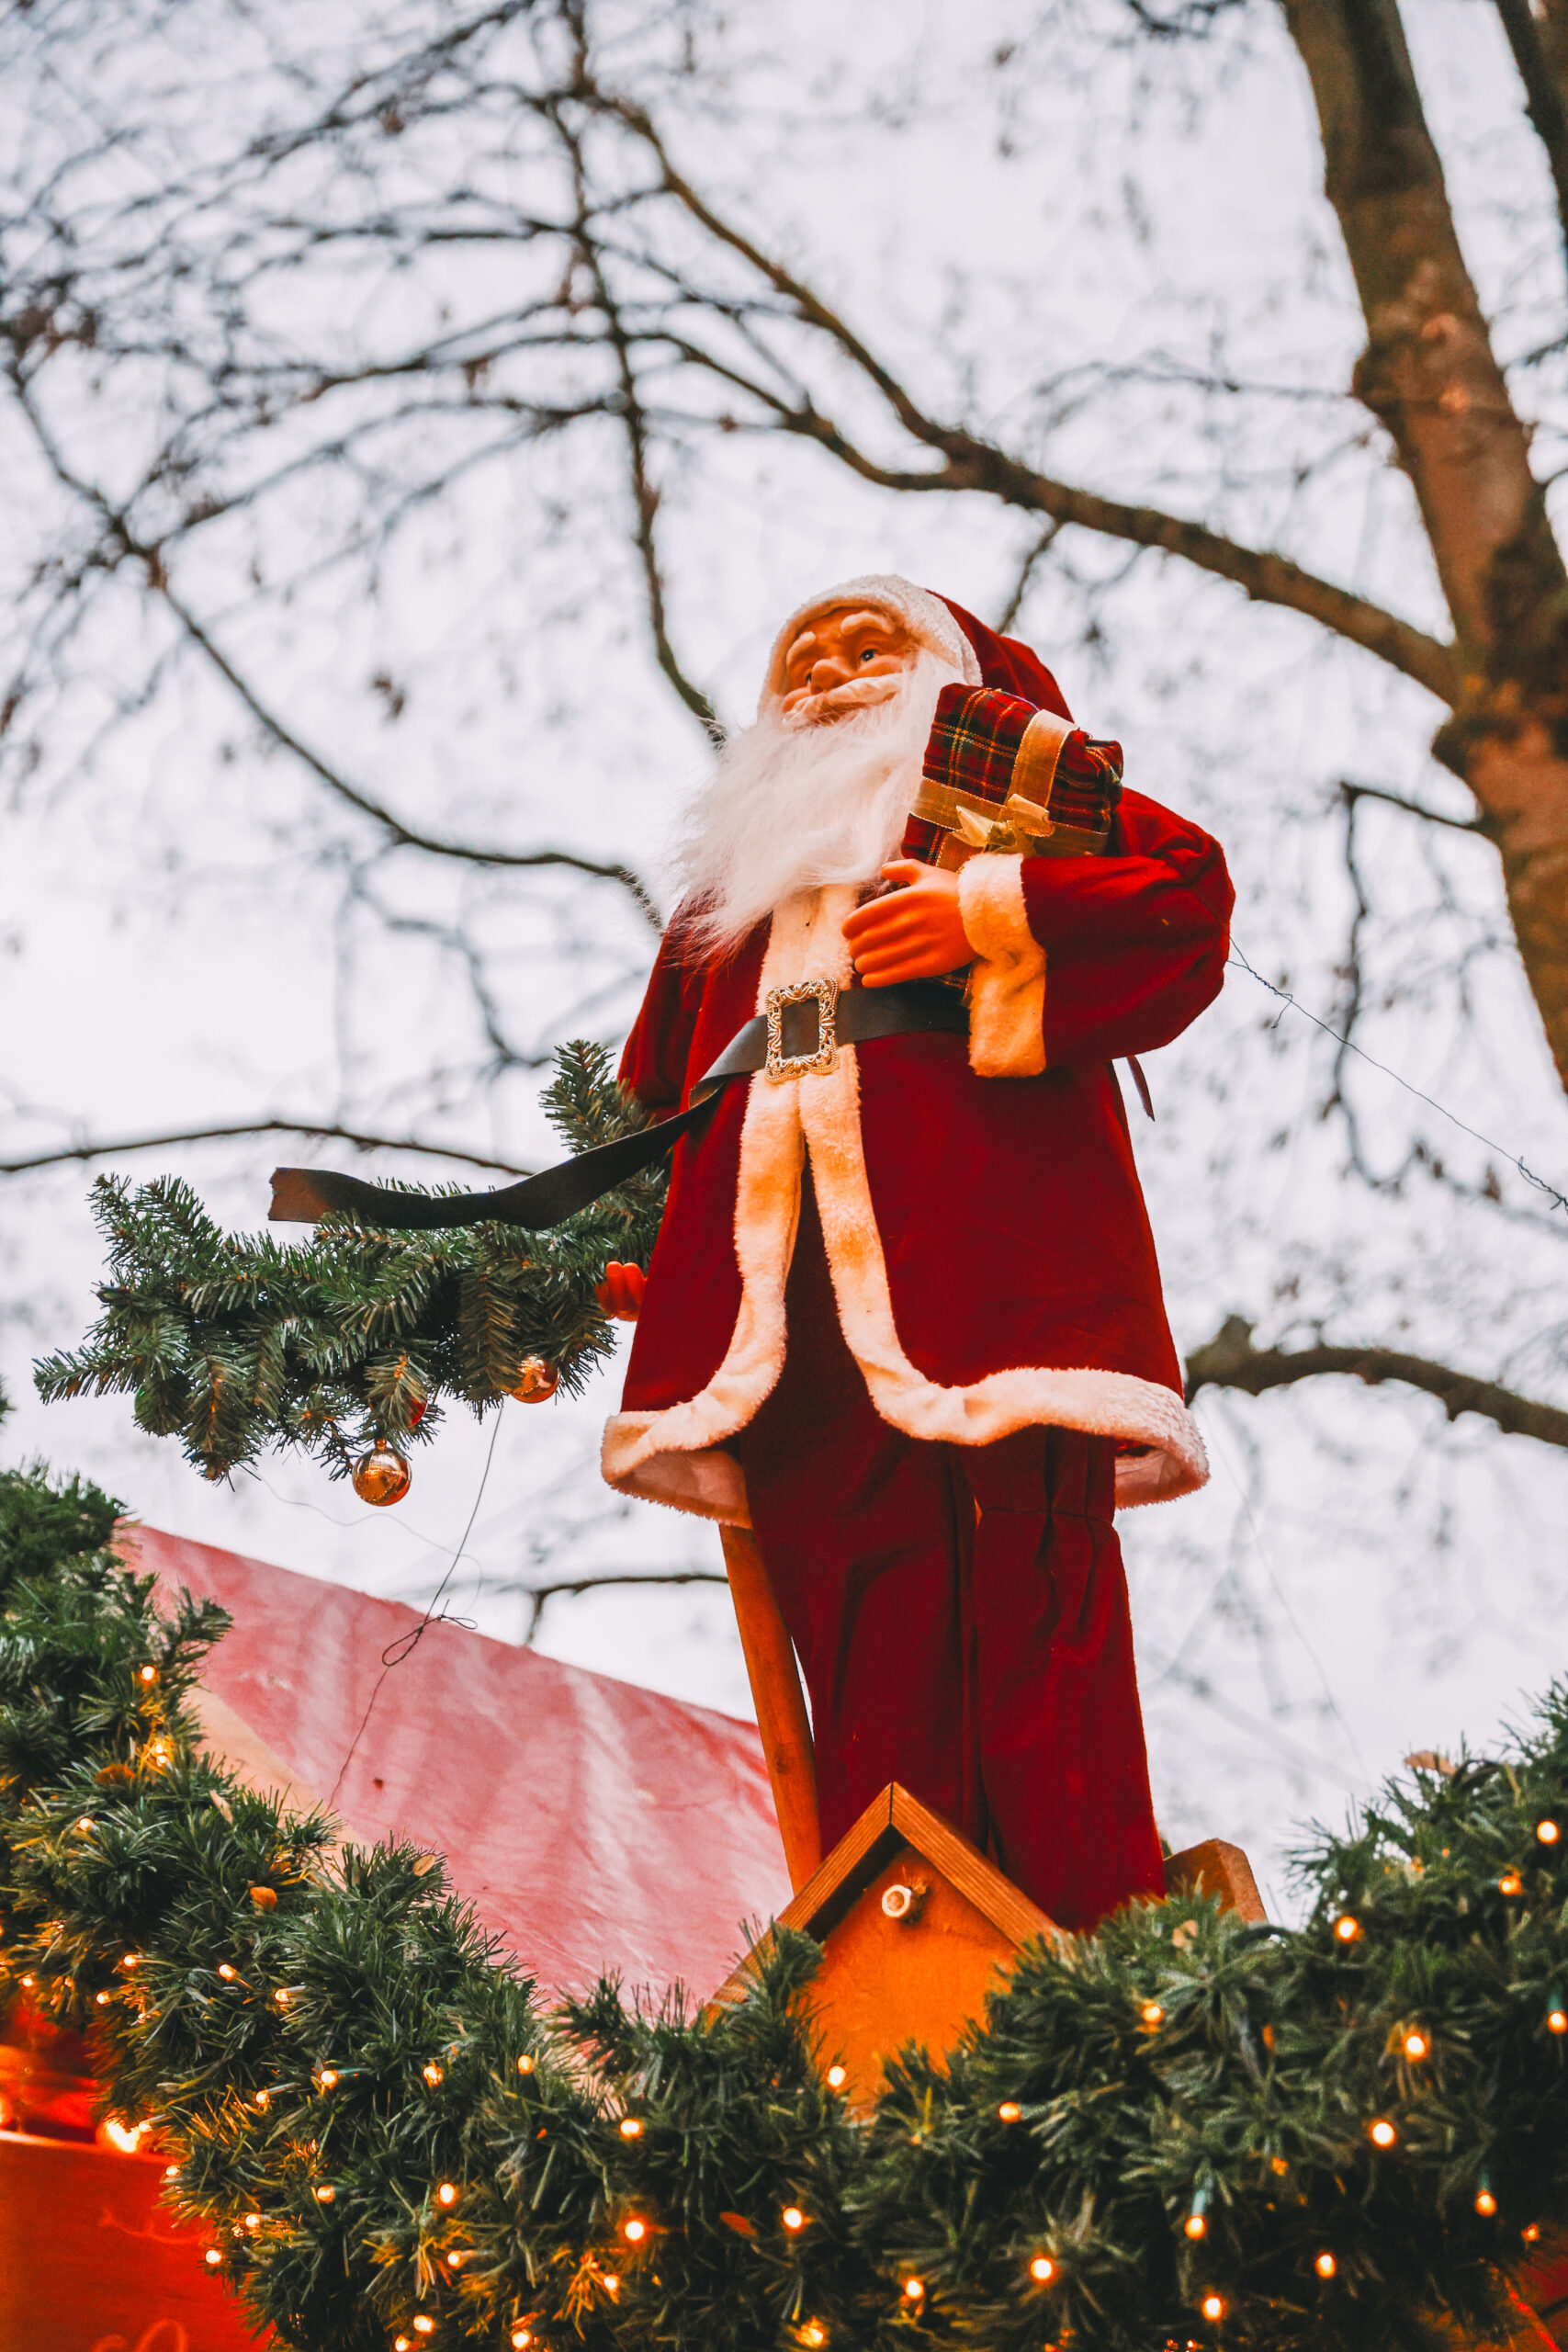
[535,1381]
[382,1475]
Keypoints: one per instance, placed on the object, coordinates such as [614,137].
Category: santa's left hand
[621,1293]
[916,933]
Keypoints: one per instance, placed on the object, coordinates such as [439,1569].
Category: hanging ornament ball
[381,1476]
[535,1381]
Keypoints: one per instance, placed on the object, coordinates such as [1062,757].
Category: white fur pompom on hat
[925,616]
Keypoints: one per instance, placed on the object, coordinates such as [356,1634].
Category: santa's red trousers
[961,1616]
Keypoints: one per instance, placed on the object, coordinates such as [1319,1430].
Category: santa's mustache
[795,803]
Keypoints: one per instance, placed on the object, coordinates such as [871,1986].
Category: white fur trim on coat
[1007,988]
[925,616]
[676,1456]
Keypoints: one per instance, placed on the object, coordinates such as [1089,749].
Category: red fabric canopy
[595,1826]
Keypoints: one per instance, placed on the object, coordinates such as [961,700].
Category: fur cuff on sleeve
[1006,988]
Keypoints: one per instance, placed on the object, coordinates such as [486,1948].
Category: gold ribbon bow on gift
[1020,822]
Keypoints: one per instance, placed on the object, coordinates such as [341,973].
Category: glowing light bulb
[402,2343]
[814,2334]
[170,2172]
[262,2099]
[325,2194]
[1043,2270]
[1195,2225]
[84,1821]
[611,2280]
[1010,2110]
[836,2077]
[1347,1928]
[1547,1832]
[328,2078]
[630,2128]
[1381,2133]
[1212,2307]
[1152,2014]
[1326,2266]
[913,2290]
[524,2064]
[1531,2231]
[126,2137]
[101,2000]
[1485,2203]
[26,1983]
[447,2193]
[252,2221]
[131,1959]
[281,1997]
[423,2326]
[455,2261]
[1557,2018]
[1510,1883]
[633,2231]
[792,2218]
[521,2338]
[227,1973]
[147,1674]
[213,2257]
[1416,2044]
[433,2073]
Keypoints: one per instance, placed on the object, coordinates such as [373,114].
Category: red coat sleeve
[653,1064]
[1135,942]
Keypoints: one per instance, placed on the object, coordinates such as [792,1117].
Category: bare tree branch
[329,1132]
[1354,792]
[1543,95]
[403,836]
[541,1594]
[1230,1360]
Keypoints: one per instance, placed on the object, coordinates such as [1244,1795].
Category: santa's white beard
[792,805]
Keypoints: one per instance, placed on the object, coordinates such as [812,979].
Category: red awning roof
[595,1826]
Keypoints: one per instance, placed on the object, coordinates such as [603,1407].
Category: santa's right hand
[621,1293]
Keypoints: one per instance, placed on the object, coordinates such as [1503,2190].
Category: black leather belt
[798,1034]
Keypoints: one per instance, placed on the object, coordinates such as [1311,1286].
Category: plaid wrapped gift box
[1001,774]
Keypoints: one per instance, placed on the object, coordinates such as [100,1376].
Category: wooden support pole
[782,1718]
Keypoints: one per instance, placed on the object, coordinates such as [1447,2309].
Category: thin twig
[326,1130]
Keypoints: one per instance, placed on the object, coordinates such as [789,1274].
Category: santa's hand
[621,1291]
[914,933]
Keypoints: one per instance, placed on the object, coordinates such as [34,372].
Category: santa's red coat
[990,1251]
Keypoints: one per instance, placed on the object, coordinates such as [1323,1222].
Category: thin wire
[1558,1200]
[406,1644]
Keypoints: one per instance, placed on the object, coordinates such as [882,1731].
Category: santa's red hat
[980,656]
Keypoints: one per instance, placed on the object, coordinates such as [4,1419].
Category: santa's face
[829,668]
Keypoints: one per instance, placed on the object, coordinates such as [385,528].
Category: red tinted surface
[592,1824]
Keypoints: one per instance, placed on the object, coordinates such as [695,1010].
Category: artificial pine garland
[1181,2131]
[236,1343]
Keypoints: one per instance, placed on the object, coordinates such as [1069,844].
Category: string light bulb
[1347,1927]
[423,2325]
[147,1674]
[1547,1832]
[633,2231]
[1326,2265]
[281,1997]
[525,2065]
[227,1973]
[1381,2133]
[814,2334]
[252,2221]
[262,2098]
[1416,2044]
[1212,2307]
[630,2128]
[1531,2231]
[1556,2015]
[432,2073]
[913,2290]
[836,2077]
[455,2260]
[325,2193]
[1043,2270]
[1196,2226]
[1485,2202]
[521,2338]
[328,2078]
[447,2194]
[1510,1883]
[84,1822]
[1010,2110]
[1152,2014]
[213,2257]
[101,2000]
[792,2218]
[402,2343]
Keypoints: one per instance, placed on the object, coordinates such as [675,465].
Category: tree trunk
[1429,374]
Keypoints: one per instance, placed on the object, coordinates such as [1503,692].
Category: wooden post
[782,1718]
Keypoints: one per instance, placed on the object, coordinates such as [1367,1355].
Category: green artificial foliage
[323,2043]
[238,1344]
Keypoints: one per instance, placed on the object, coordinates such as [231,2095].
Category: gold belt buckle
[782,1065]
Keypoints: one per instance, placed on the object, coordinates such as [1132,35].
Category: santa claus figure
[904,1317]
